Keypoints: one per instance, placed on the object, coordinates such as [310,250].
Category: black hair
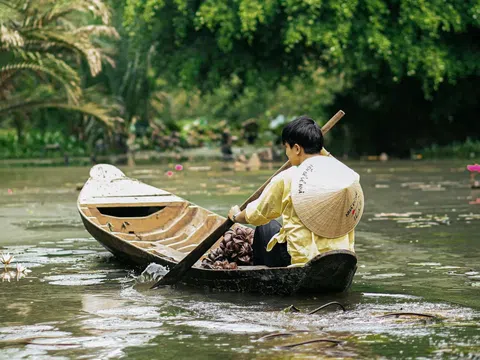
[304,132]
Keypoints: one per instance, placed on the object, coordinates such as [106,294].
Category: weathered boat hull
[327,273]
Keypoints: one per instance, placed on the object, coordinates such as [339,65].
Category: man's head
[302,137]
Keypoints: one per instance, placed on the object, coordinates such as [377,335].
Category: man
[319,199]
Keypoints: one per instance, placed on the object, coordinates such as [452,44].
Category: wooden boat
[141,224]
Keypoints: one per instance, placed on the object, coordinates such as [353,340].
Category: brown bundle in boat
[235,249]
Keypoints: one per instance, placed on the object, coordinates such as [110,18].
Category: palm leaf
[90,109]
[46,64]
[98,30]
[39,38]
[9,11]
[72,89]
[10,37]
[61,9]
[75,43]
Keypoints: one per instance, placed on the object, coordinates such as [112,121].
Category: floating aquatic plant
[470,216]
[414,219]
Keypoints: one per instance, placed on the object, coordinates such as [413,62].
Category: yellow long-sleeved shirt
[302,244]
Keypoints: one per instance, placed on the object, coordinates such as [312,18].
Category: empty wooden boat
[141,224]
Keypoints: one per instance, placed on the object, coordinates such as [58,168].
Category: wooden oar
[177,272]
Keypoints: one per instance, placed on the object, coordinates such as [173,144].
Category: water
[417,245]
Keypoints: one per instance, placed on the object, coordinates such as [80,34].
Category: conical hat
[327,196]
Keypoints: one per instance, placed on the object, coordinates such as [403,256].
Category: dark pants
[278,256]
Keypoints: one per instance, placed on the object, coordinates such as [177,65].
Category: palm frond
[39,38]
[61,70]
[90,109]
[69,80]
[34,45]
[98,30]
[10,37]
[8,11]
[61,9]
[73,42]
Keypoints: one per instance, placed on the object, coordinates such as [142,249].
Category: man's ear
[297,148]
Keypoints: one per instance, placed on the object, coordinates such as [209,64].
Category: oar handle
[325,128]
[177,272]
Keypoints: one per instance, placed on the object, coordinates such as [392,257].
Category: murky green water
[418,246]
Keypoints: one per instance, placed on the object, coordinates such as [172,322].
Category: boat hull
[331,272]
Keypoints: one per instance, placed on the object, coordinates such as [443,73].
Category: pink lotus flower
[473,168]
[10,191]
[169,173]
[178,167]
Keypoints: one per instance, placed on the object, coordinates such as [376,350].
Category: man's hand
[233,211]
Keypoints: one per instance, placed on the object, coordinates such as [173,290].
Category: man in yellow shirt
[319,199]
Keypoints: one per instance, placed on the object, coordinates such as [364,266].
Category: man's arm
[267,207]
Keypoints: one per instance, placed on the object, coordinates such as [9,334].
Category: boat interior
[170,229]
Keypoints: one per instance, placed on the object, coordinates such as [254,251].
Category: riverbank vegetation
[92,75]
[469,149]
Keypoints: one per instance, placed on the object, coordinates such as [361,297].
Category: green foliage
[35,144]
[42,44]
[470,149]
[403,70]
[202,42]
[234,102]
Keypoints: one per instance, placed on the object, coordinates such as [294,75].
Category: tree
[407,65]
[202,42]
[42,47]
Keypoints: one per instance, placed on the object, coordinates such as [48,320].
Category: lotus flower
[22,269]
[19,276]
[473,168]
[6,259]
[7,276]
[179,167]
[169,173]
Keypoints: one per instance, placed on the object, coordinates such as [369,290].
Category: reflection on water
[418,253]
